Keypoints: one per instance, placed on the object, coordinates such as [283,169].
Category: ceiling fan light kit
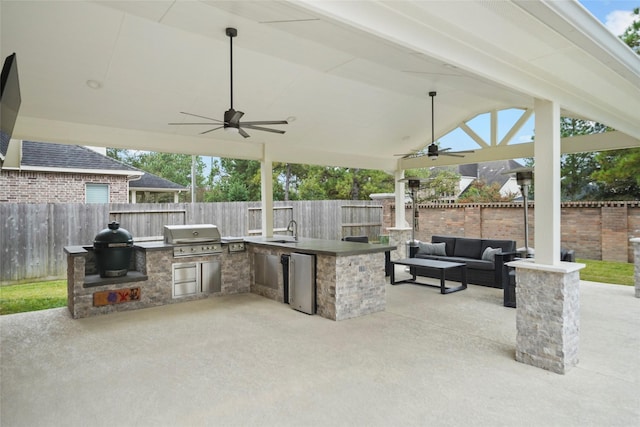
[231,122]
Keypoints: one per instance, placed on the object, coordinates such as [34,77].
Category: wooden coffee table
[441,266]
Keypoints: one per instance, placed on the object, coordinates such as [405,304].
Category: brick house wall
[56,187]
[595,230]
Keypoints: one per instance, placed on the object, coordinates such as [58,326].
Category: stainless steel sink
[281,241]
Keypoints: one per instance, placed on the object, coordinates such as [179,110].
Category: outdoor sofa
[485,258]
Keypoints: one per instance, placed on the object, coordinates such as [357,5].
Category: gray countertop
[320,246]
[303,244]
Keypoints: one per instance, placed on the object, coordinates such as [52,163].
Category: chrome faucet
[294,230]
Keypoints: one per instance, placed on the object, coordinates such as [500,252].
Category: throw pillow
[432,248]
[489,254]
[425,248]
[440,249]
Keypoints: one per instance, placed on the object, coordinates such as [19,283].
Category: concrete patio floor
[429,359]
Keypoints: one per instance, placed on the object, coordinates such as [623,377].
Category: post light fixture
[414,186]
[524,178]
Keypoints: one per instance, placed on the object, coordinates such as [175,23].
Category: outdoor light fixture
[524,178]
[414,186]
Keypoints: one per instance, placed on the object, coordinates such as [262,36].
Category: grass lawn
[619,273]
[33,296]
[44,295]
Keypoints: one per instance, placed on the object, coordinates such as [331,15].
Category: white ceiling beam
[574,144]
[42,130]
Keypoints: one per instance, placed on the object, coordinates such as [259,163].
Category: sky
[616,15]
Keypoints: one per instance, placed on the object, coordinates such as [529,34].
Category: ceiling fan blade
[211,130]
[263,129]
[266,122]
[442,150]
[452,154]
[243,133]
[236,117]
[464,151]
[202,117]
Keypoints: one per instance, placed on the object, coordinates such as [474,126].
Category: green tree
[173,167]
[481,192]
[631,35]
[437,184]
[238,191]
[242,174]
[619,174]
[576,169]
[119,154]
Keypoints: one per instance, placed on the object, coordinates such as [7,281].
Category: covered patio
[429,359]
[352,80]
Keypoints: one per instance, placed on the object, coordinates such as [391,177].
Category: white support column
[400,234]
[636,262]
[133,196]
[400,214]
[547,290]
[266,189]
[547,182]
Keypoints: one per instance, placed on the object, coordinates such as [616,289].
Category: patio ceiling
[352,77]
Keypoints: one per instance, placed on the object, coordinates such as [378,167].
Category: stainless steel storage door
[211,277]
[302,283]
[185,279]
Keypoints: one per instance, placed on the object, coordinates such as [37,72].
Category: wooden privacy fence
[362,220]
[32,236]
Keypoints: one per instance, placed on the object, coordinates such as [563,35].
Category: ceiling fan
[231,121]
[432,150]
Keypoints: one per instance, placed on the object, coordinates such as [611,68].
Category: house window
[97,193]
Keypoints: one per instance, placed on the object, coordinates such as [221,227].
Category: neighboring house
[490,173]
[487,172]
[152,188]
[38,172]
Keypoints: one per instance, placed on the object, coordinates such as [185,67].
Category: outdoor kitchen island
[350,277]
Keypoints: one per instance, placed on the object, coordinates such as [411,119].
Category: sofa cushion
[474,264]
[468,248]
[478,264]
[505,245]
[489,253]
[432,248]
[450,243]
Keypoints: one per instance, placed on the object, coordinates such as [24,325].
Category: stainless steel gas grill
[192,277]
[193,240]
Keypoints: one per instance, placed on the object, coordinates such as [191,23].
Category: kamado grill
[193,240]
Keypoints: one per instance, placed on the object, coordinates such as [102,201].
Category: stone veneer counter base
[350,276]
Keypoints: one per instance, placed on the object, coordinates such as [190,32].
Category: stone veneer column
[548,314]
[399,237]
[636,262]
